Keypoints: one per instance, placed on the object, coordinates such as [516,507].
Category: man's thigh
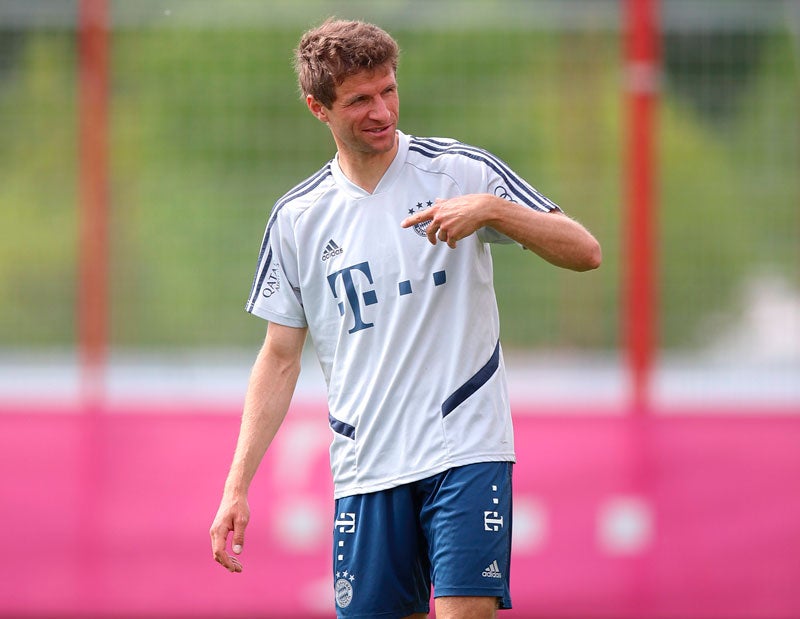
[466,607]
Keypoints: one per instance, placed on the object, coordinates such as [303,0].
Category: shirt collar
[388,178]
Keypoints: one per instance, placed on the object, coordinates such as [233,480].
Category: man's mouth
[378,130]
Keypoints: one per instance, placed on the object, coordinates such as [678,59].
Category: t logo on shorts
[346,522]
[492,521]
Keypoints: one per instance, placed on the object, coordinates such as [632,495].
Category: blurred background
[656,400]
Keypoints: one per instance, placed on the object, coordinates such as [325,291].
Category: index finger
[416,218]
[219,539]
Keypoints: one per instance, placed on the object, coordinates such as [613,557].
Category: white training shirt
[407,333]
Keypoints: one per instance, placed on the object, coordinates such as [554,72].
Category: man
[383,258]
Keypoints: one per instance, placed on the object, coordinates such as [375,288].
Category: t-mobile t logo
[351,294]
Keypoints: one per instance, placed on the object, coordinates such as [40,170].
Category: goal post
[93,242]
[642,62]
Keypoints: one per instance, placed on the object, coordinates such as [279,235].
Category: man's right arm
[269,392]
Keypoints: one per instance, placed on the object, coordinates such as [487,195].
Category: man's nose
[379,110]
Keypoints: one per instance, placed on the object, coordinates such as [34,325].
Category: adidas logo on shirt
[492,571]
[331,250]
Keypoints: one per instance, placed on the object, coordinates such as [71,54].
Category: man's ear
[316,108]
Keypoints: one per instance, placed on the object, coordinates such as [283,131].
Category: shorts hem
[505,603]
[467,591]
[389,614]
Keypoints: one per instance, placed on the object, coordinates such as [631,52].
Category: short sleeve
[275,294]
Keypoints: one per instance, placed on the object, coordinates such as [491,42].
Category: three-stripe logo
[492,571]
[331,250]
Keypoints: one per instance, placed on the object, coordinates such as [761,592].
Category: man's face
[364,116]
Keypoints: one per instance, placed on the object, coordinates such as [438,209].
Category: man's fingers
[416,218]
[232,518]
[232,564]
[223,559]
[219,538]
[239,525]
[432,231]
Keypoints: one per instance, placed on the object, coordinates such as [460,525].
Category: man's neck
[366,169]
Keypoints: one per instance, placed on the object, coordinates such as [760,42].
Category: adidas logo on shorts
[492,571]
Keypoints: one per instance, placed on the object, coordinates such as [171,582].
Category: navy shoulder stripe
[433,148]
[263,264]
[306,186]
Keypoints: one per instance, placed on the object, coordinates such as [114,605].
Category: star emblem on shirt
[422,204]
[421,227]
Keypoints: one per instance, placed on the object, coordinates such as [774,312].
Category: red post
[92,302]
[642,65]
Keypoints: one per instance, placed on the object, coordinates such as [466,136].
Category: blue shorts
[452,530]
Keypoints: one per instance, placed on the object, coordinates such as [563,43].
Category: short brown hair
[337,49]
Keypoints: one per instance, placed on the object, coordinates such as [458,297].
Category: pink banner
[669,516]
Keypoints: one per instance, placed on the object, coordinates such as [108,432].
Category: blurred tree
[712,69]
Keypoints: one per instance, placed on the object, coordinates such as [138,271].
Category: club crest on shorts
[344,591]
[422,227]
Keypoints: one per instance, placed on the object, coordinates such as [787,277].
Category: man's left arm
[560,240]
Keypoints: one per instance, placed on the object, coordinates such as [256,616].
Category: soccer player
[383,258]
